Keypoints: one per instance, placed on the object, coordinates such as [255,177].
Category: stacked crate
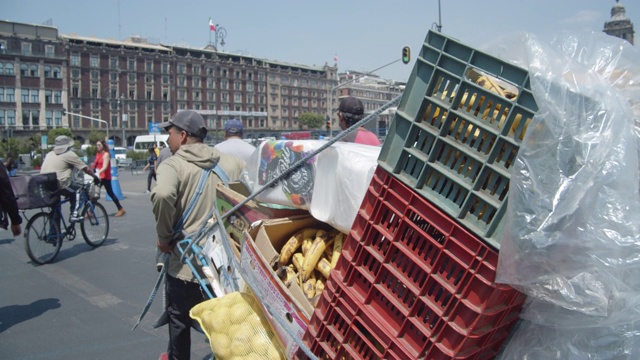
[417,271]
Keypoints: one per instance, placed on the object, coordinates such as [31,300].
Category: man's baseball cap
[233,126]
[351,105]
[189,121]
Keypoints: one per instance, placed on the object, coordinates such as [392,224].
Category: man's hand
[16,229]
[165,248]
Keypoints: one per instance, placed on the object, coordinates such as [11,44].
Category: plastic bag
[237,328]
[571,240]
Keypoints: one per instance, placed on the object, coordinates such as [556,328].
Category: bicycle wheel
[95,224]
[42,238]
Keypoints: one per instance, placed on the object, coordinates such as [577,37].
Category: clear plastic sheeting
[571,239]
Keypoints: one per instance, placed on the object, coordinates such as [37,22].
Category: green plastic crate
[453,140]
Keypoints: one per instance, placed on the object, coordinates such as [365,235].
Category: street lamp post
[90,118]
[122,120]
[220,33]
[348,82]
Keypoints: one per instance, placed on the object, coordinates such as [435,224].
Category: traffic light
[328,125]
[406,54]
[64,111]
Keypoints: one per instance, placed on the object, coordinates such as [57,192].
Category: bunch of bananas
[308,257]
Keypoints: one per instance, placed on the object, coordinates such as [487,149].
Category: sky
[363,35]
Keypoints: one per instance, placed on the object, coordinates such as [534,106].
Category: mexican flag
[211,26]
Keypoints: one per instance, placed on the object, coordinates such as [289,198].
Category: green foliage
[311,120]
[54,133]
[137,155]
[96,135]
[37,161]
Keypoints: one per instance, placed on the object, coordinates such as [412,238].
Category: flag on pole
[335,58]
[211,26]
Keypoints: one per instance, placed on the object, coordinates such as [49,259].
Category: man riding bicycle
[63,162]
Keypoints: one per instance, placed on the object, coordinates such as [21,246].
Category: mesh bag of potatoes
[237,328]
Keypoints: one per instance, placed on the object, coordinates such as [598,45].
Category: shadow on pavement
[15,314]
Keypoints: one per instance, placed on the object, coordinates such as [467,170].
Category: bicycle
[43,237]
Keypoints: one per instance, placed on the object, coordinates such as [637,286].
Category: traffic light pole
[90,118]
[349,82]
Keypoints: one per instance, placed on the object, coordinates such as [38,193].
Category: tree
[311,120]
[54,133]
[96,135]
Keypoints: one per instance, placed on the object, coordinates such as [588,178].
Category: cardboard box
[260,251]
[252,211]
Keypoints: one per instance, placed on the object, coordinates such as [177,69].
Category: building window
[95,75]
[94,91]
[196,82]
[1,94]
[49,51]
[196,95]
[33,70]
[94,61]
[237,85]
[56,72]
[237,98]
[132,64]
[237,74]
[181,81]
[26,48]
[165,68]
[1,117]
[49,117]
[24,95]
[114,77]
[149,66]
[24,70]
[8,69]
[224,85]
[75,73]
[249,86]
[132,93]
[58,118]
[9,94]
[149,94]
[47,97]
[35,96]
[181,95]
[132,77]
[196,69]
[165,80]
[75,89]
[113,63]
[47,71]
[57,97]
[75,59]
[11,117]
[181,68]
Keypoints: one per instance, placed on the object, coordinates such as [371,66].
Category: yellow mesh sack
[237,328]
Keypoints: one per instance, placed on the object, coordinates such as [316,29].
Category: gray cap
[188,120]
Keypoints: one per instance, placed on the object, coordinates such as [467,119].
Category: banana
[306,244]
[309,288]
[337,249]
[287,274]
[324,267]
[294,243]
[297,261]
[313,254]
[319,286]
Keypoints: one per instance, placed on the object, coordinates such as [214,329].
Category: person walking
[102,167]
[176,191]
[233,143]
[8,204]
[152,163]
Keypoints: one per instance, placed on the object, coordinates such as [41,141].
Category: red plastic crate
[413,281]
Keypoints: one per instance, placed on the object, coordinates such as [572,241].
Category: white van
[144,142]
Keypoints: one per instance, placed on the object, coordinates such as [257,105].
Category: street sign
[43,142]
[154,129]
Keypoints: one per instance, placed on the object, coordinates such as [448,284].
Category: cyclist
[63,162]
